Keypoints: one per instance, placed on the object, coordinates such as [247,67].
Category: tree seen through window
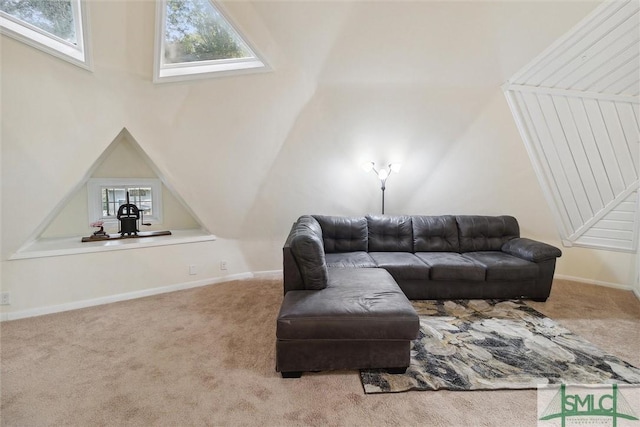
[114,197]
[195,31]
[52,16]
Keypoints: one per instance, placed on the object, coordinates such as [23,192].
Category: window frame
[33,36]
[94,197]
[201,69]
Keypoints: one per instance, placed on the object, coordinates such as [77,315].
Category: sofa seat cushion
[360,304]
[359,259]
[502,266]
[401,265]
[452,266]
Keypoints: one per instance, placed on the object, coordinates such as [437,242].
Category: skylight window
[57,27]
[195,39]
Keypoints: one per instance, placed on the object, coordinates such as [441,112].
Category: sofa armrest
[531,250]
[305,242]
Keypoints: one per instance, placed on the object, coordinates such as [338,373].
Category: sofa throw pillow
[343,234]
[486,233]
[390,233]
[308,250]
[435,233]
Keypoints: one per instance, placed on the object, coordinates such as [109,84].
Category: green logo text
[565,405]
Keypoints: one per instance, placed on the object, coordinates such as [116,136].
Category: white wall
[251,153]
[637,290]
[211,139]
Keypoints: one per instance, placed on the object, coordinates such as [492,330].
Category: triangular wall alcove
[124,158]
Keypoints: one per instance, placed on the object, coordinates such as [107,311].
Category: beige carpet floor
[205,356]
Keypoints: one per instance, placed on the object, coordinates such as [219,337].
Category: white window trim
[94,197]
[203,69]
[35,37]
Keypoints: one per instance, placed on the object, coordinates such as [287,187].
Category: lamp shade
[395,167]
[367,167]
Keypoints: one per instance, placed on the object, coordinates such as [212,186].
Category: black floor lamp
[382,175]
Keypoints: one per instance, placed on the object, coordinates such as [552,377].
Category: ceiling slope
[577,109]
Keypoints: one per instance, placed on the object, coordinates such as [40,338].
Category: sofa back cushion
[390,233]
[435,234]
[486,233]
[307,249]
[343,234]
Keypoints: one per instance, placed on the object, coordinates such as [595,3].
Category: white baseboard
[595,282]
[41,311]
[267,274]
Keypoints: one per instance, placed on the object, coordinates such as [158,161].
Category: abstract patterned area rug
[491,345]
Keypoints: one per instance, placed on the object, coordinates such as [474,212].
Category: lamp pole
[382,174]
[383,187]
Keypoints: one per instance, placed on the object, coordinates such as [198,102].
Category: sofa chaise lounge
[348,281]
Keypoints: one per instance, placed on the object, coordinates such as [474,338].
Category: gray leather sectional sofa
[348,281]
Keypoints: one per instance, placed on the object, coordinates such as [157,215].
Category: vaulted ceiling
[443,43]
[352,81]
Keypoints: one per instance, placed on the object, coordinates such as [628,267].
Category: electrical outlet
[223,265]
[193,269]
[5,298]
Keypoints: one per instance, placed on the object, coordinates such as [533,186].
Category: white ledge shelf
[72,245]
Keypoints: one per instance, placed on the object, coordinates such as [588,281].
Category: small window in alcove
[106,195]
